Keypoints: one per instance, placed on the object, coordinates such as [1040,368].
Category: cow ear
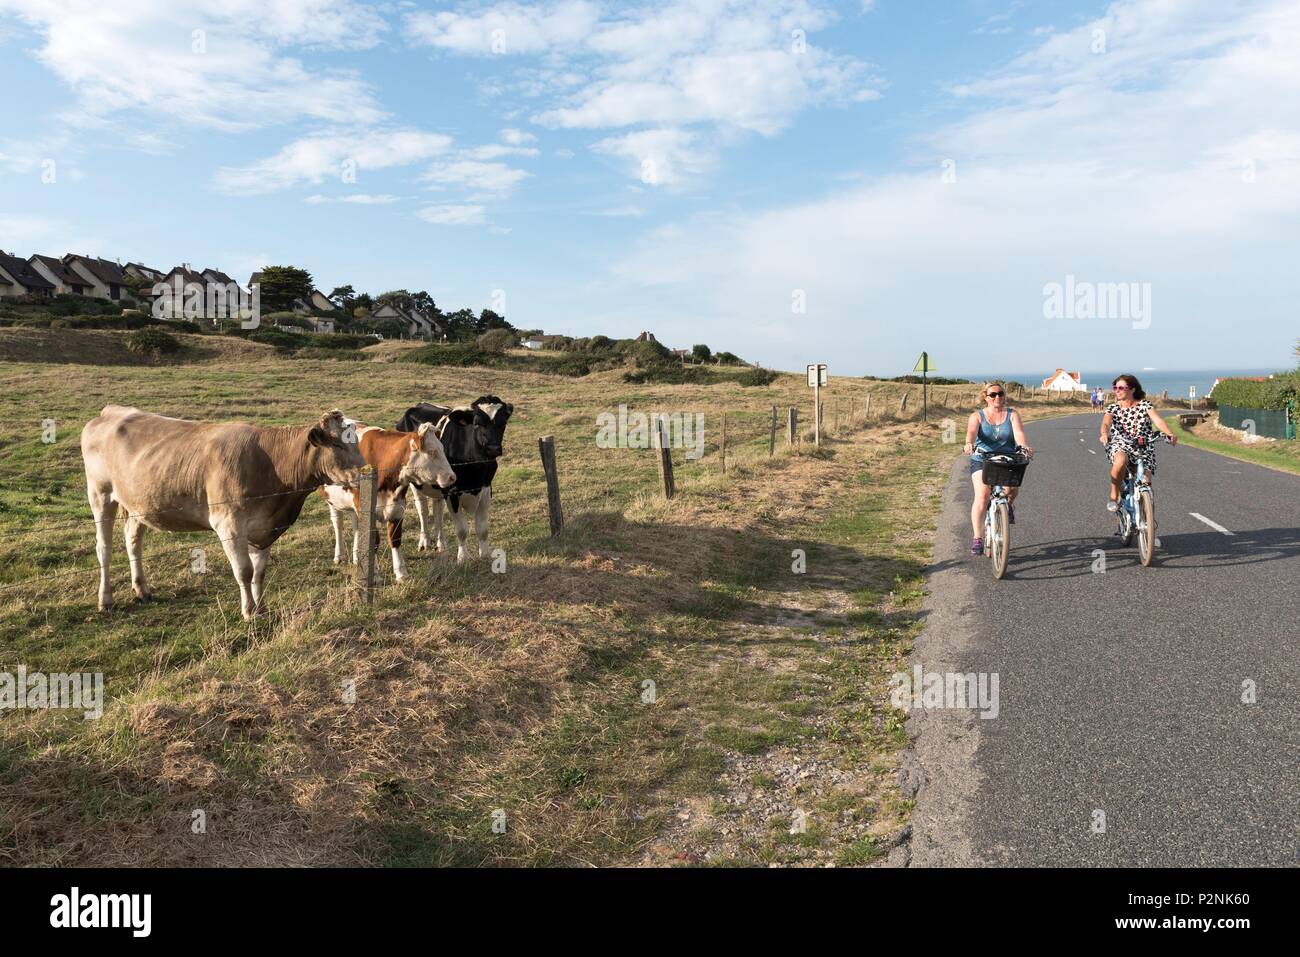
[318,436]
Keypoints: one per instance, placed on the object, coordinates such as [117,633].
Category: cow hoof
[423,546]
[144,598]
[105,606]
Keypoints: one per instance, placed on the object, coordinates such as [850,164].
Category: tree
[281,285]
[701,352]
[344,297]
[397,298]
[497,340]
[460,324]
[488,320]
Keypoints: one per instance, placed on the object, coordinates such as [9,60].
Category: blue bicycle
[1137,506]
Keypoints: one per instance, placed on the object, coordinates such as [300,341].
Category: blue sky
[914,174]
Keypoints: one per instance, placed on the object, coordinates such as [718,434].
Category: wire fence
[733,437]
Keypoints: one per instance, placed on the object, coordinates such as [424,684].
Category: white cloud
[506,28]
[474,175]
[726,67]
[312,159]
[363,199]
[659,157]
[517,137]
[448,214]
[214,63]
[1176,161]
[623,212]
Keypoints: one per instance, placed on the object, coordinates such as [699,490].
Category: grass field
[657,686]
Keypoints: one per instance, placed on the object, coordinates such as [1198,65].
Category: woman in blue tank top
[993,430]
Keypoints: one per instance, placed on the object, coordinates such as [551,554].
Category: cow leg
[336,521]
[259,557]
[394,513]
[104,509]
[481,512]
[439,506]
[421,509]
[135,554]
[460,521]
[236,547]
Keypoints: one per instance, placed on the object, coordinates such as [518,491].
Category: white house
[64,279]
[1063,381]
[18,278]
[418,324]
[106,279]
[534,342]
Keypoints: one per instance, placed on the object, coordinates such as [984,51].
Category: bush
[497,340]
[700,352]
[320,352]
[469,354]
[279,338]
[729,359]
[1271,394]
[152,342]
[756,377]
[669,373]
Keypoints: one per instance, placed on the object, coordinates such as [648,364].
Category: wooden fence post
[665,459]
[366,532]
[793,426]
[546,447]
[771,442]
[866,413]
[723,449]
[902,403]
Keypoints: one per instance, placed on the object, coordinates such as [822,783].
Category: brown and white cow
[245,482]
[401,459]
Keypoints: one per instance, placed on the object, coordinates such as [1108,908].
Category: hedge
[1271,394]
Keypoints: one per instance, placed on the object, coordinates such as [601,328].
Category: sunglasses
[1120,388]
[995,395]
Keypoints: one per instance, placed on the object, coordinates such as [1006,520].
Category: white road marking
[1214,525]
[1093,451]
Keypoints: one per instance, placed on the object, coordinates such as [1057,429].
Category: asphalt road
[1119,691]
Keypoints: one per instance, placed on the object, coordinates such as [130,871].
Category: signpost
[1191,395]
[923,366]
[817,379]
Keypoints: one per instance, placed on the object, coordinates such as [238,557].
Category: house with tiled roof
[143,272]
[18,278]
[66,282]
[1064,381]
[107,279]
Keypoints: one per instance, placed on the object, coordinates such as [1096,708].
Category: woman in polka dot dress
[1129,417]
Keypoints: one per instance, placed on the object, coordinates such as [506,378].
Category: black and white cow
[472,437]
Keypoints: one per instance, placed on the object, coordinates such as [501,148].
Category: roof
[60,271]
[106,271]
[219,276]
[1076,376]
[22,270]
[147,270]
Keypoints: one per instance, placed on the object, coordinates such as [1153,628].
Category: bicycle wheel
[1001,540]
[1125,524]
[1146,527]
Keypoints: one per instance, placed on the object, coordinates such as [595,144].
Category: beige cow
[245,482]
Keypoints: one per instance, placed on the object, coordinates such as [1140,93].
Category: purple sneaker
[977,547]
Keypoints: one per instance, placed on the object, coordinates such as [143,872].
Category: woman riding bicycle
[1126,431]
[993,430]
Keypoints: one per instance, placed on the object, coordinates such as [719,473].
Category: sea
[1154,381]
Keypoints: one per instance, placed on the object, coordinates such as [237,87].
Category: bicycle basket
[1010,475]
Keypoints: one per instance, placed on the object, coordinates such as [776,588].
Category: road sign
[1191,392]
[817,379]
[925,367]
[816,374]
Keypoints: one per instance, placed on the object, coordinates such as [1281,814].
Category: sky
[789,180]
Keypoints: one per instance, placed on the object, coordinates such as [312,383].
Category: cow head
[333,440]
[456,432]
[427,462]
[490,418]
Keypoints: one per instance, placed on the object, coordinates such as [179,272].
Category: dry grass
[478,692]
